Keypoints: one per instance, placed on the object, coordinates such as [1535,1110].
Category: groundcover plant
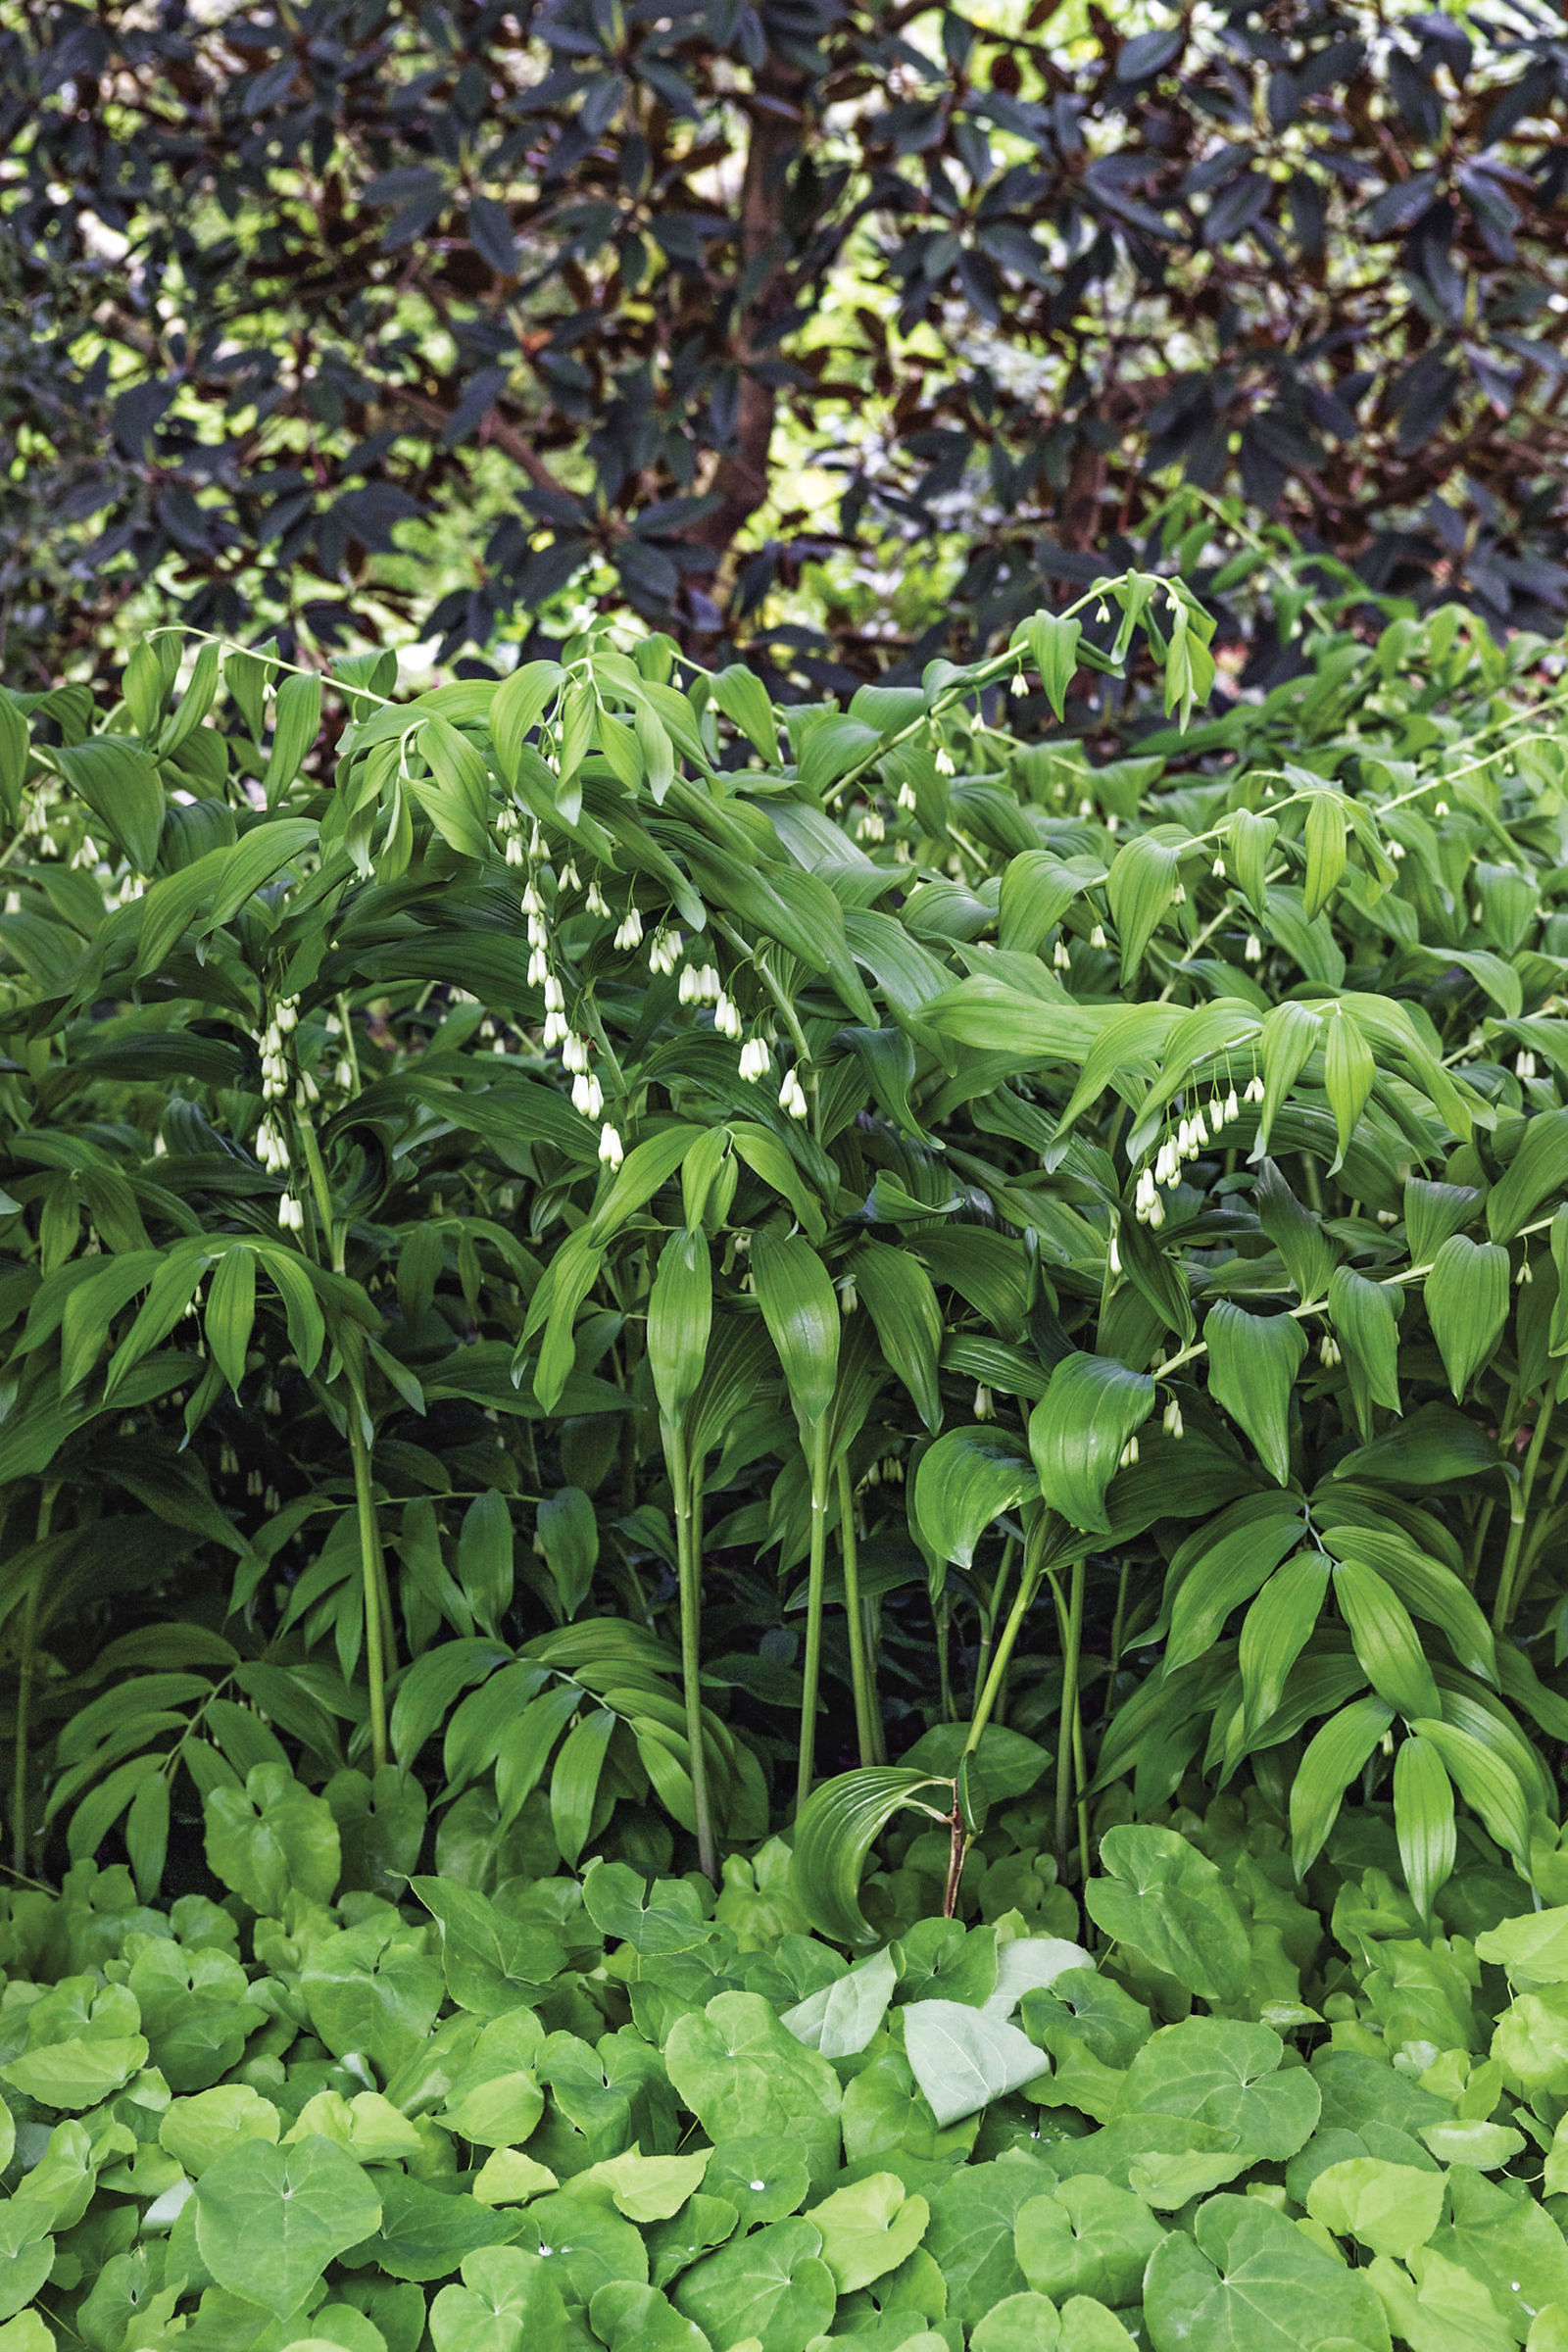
[554,1228]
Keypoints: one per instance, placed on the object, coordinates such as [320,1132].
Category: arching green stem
[862,1668]
[686,1493]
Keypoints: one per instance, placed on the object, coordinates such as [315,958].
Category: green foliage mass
[333,2123]
[943,1349]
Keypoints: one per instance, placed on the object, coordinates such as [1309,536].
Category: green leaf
[1349,1069]
[123,790]
[508,2300]
[963,2058]
[800,1309]
[1538,1167]
[1169,1901]
[1052,642]
[231,1313]
[520,702]
[1221,2072]
[296,721]
[1432,1211]
[270,2220]
[1291,1034]
[771,2288]
[1325,836]
[903,1303]
[740,2072]
[1466,1298]
[1087,2237]
[568,1530]
[1221,1565]
[485,1569]
[1334,1756]
[1253,1363]
[1139,890]
[1387,2208]
[271,1838]
[868,2228]
[1079,1430]
[1365,1317]
[834,1834]
[574,1782]
[457,799]
[967,1479]
[1385,1640]
[680,1315]
[493,1963]
[742,698]
[1485,1780]
[840,2018]
[1249,2280]
[630,2318]
[1277,1628]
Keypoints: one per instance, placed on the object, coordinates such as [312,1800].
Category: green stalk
[27,1669]
[1029,1585]
[689,1570]
[1069,1747]
[1502,1610]
[862,1672]
[817,1575]
[372,1577]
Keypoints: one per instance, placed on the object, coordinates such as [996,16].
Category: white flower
[537,934]
[532,902]
[630,934]
[587,1096]
[907,795]
[726,1016]
[686,989]
[555,1030]
[1129,1455]
[555,993]
[1254,1089]
[538,969]
[1233,1109]
[1524,1065]
[1439,808]
[595,900]
[1156,1212]
[513,849]
[343,1075]
[1218,866]
[1020,685]
[945,763]
[791,1097]
[1173,1419]
[1252,952]
[609,1148]
[574,1051]
[1096,937]
[871,826]
[755,1060]
[290,1213]
[1060,956]
[1113,1257]
[1328,1352]
[985,1408]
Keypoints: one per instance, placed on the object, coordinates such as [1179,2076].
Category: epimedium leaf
[268,2220]
[1080,1429]
[1247,2281]
[1169,1901]
[963,2058]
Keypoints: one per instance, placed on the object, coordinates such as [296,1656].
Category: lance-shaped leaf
[1349,1070]
[680,1316]
[1291,1032]
[1384,1640]
[1432,1211]
[1423,1820]
[519,704]
[1052,642]
[1139,887]
[967,1479]
[123,790]
[1325,831]
[1248,839]
[1079,1430]
[231,1313]
[833,1836]
[1486,1779]
[1276,1631]
[800,1309]
[903,1303]
[1253,1363]
[1334,1756]
[1367,1321]
[296,720]
[1539,1166]
[1466,1296]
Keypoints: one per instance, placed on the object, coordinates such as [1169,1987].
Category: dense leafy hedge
[342,2109]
